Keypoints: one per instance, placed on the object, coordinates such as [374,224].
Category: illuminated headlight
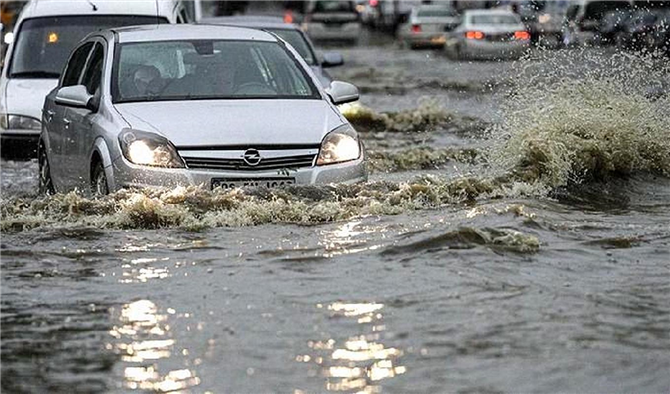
[19,122]
[149,149]
[339,145]
[9,38]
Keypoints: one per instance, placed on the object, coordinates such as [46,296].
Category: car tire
[46,185]
[99,185]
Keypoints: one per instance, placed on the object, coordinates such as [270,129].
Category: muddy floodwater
[514,237]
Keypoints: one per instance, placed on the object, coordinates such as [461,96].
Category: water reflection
[359,362]
[347,238]
[143,338]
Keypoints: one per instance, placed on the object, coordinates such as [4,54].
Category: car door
[78,141]
[54,115]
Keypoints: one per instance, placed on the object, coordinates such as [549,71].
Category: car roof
[255,21]
[41,8]
[165,32]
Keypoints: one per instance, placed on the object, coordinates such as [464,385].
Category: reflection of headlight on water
[9,38]
[544,18]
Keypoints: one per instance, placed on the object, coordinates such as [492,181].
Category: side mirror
[342,92]
[75,96]
[332,59]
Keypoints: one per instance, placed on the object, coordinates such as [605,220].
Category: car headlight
[339,145]
[149,149]
[9,121]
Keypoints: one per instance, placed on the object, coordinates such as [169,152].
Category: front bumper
[19,143]
[124,174]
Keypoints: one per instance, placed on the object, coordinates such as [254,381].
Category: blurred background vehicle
[486,34]
[647,27]
[595,22]
[290,33]
[45,33]
[427,25]
[332,20]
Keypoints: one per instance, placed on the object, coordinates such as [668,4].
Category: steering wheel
[254,88]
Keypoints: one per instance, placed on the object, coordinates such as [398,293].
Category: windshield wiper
[35,74]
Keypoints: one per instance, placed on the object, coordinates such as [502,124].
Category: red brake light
[474,35]
[522,35]
[374,3]
[288,17]
[416,28]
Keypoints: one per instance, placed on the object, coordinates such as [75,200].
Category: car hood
[26,96]
[234,122]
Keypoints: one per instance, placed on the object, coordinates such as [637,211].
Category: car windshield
[297,41]
[44,44]
[495,19]
[208,69]
[436,12]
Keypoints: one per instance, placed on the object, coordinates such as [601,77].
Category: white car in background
[427,25]
[490,34]
[44,35]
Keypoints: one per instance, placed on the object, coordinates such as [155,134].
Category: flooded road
[514,237]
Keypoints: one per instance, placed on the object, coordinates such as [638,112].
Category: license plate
[228,183]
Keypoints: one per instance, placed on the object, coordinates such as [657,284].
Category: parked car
[427,25]
[44,36]
[648,27]
[290,33]
[332,20]
[172,105]
[490,34]
[595,22]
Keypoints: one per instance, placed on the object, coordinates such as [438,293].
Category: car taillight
[288,17]
[522,35]
[374,3]
[416,28]
[474,35]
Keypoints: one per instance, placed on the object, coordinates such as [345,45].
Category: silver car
[490,34]
[173,105]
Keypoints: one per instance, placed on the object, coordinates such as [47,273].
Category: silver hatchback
[193,105]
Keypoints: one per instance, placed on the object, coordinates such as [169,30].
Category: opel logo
[252,157]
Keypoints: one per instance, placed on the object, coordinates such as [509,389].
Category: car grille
[274,163]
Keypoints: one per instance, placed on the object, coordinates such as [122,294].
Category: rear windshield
[207,69]
[297,41]
[494,19]
[325,6]
[43,45]
[435,12]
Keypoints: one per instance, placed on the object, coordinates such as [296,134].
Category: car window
[297,41]
[326,6]
[76,65]
[208,69]
[93,73]
[44,44]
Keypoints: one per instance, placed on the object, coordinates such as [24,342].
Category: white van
[44,35]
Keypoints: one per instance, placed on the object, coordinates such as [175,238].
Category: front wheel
[99,185]
[46,185]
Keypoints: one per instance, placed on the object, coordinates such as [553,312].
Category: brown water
[511,239]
